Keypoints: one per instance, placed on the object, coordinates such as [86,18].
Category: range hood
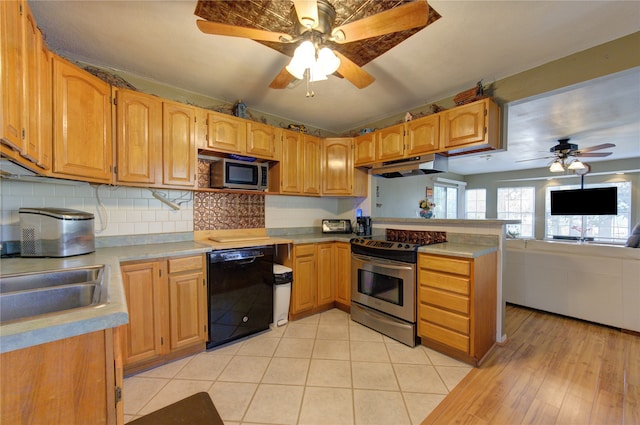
[414,166]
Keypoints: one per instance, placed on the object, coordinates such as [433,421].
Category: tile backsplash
[217,211]
[117,210]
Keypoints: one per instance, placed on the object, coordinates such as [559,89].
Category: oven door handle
[386,263]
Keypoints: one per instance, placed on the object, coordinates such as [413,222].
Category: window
[475,203]
[517,203]
[446,199]
[599,228]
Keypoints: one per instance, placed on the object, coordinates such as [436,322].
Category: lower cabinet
[321,277]
[167,303]
[457,305]
[69,381]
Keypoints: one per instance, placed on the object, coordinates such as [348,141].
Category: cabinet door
[11,69]
[326,273]
[82,145]
[138,137]
[45,126]
[185,314]
[464,124]
[423,135]
[337,167]
[261,140]
[343,272]
[178,145]
[226,133]
[291,163]
[31,86]
[364,149]
[311,165]
[304,280]
[142,338]
[390,143]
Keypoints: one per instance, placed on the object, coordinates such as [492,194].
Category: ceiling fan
[317,37]
[564,151]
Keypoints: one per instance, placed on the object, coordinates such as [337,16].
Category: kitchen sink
[26,295]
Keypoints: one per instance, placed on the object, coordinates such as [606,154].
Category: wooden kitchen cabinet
[339,176]
[25,66]
[82,144]
[311,165]
[457,305]
[364,149]
[69,381]
[321,277]
[422,135]
[138,138]
[342,273]
[261,140]
[226,133]
[178,145]
[298,171]
[390,143]
[475,126]
[167,304]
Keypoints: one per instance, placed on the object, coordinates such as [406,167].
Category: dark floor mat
[197,409]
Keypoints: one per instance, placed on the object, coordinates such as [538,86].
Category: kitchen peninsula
[465,238]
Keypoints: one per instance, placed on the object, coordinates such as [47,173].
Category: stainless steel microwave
[235,174]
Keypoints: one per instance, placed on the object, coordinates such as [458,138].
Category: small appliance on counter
[336,226]
[55,232]
[363,226]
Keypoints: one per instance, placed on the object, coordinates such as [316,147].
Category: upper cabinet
[339,176]
[364,149]
[25,67]
[422,135]
[475,126]
[225,133]
[261,140]
[138,138]
[178,145]
[82,144]
[390,143]
[299,170]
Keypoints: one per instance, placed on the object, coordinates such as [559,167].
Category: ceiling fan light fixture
[576,165]
[556,167]
[328,61]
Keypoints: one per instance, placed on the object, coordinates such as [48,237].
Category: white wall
[304,211]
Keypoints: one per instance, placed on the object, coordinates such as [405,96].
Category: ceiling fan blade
[536,159]
[352,72]
[217,28]
[597,147]
[405,17]
[282,80]
[592,155]
[307,11]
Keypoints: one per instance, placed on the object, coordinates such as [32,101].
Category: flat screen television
[596,201]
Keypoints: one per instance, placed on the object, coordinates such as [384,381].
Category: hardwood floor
[553,370]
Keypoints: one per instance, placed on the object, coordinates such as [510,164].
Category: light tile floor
[324,369]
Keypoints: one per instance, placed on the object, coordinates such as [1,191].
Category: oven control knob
[407,246]
[399,245]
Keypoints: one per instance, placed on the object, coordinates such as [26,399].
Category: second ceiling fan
[316,55]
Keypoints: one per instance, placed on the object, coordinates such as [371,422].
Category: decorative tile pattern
[219,210]
[421,237]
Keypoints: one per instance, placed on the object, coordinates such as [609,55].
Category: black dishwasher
[240,299]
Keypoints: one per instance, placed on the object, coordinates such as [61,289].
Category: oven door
[384,285]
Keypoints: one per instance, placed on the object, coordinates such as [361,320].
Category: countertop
[47,328]
[52,327]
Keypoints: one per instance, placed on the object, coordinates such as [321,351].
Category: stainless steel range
[383,281]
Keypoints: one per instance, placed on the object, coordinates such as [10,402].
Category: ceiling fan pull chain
[309,93]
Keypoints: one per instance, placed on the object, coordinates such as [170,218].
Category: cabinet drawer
[444,336]
[307,249]
[445,300]
[182,264]
[447,265]
[444,318]
[445,282]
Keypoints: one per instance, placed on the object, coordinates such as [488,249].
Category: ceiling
[473,40]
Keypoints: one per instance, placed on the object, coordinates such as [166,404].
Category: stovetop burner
[399,245]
